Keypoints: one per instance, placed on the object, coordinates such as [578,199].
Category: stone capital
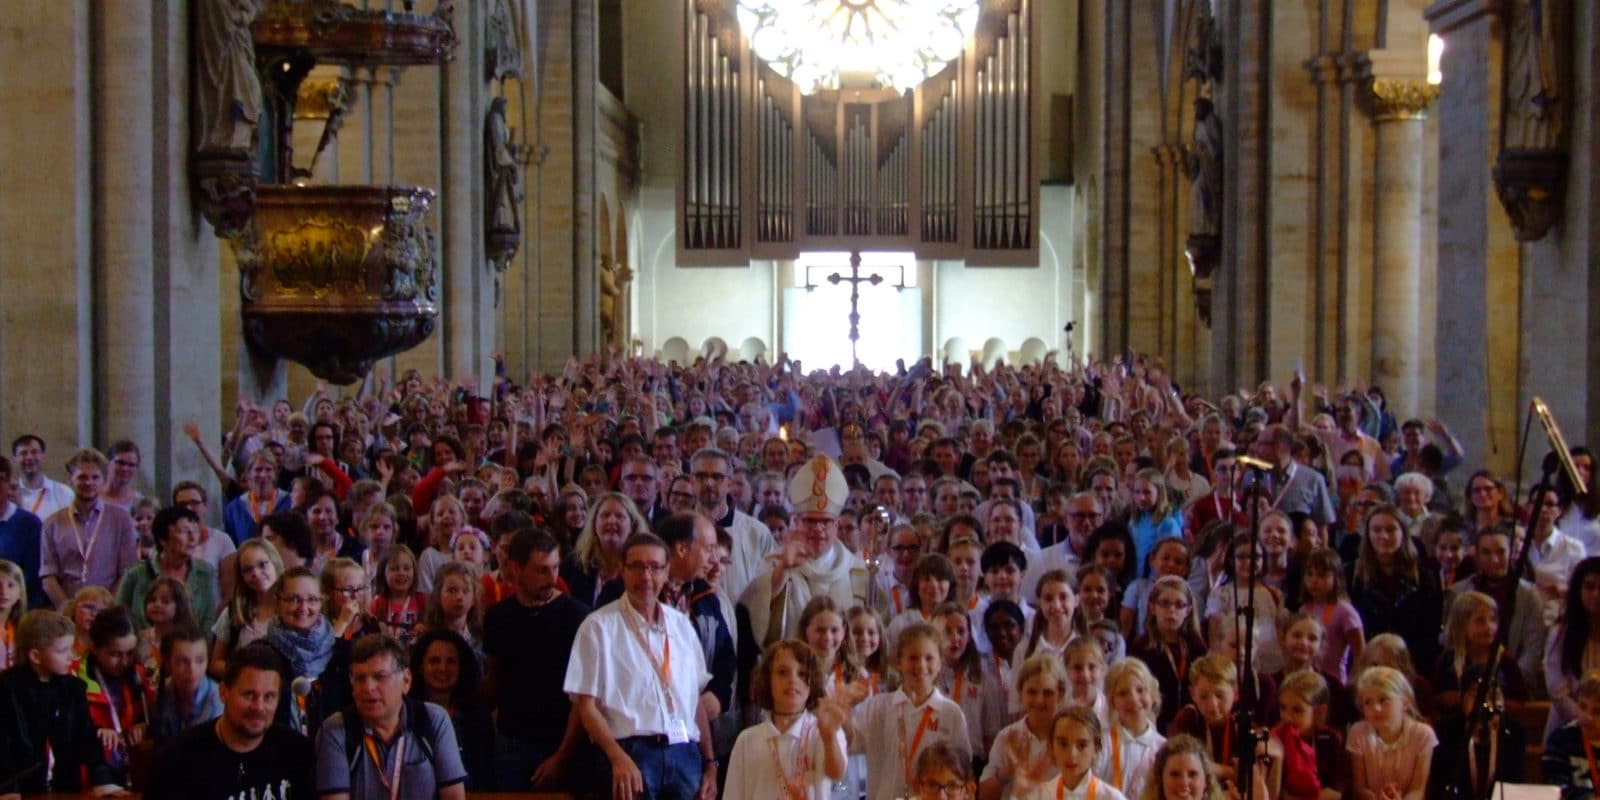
[1398,99]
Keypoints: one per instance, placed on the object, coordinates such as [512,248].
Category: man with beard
[242,754]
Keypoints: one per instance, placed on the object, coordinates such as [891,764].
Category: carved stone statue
[1205,171]
[502,187]
[614,279]
[502,45]
[1535,57]
[227,105]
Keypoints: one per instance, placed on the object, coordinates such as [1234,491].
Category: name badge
[677,732]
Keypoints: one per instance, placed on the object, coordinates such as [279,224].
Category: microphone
[302,687]
[1254,463]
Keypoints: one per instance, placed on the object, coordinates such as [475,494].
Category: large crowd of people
[637,578]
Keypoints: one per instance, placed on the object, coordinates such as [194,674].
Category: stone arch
[994,350]
[676,350]
[714,348]
[751,349]
[956,351]
[1033,352]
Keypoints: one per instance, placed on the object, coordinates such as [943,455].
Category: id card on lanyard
[677,731]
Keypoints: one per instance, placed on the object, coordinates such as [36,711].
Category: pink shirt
[1402,762]
[1337,623]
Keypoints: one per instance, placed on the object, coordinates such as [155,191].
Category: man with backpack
[385,745]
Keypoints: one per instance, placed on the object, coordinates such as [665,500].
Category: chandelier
[832,44]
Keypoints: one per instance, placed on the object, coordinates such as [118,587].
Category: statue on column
[1205,171]
[614,279]
[1534,94]
[1531,170]
[502,182]
[226,111]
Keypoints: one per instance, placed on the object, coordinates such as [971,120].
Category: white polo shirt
[609,662]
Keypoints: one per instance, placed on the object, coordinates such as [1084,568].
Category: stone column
[462,124]
[1478,260]
[124,237]
[1399,106]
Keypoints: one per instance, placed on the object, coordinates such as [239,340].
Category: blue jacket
[19,544]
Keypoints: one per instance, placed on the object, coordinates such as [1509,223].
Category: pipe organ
[948,170]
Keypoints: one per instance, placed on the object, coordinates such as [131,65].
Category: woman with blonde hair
[597,556]
[248,616]
[1183,769]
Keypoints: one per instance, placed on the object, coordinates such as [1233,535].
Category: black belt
[651,740]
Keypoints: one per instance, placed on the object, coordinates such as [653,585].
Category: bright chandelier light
[815,42]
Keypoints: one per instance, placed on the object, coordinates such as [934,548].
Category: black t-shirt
[198,766]
[530,648]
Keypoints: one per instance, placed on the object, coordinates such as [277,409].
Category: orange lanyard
[1594,771]
[392,782]
[794,786]
[1327,616]
[77,537]
[663,667]
[259,510]
[899,605]
[1116,756]
[972,602]
[39,501]
[9,636]
[1180,665]
[838,675]
[1061,786]
[961,680]
[908,756]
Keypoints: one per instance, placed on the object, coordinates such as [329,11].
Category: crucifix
[855,281]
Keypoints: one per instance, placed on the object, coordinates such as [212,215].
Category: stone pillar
[462,126]
[124,355]
[1476,247]
[1399,107]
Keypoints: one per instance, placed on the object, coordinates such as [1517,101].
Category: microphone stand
[1244,710]
[1487,703]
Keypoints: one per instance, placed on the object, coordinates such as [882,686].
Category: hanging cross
[855,280]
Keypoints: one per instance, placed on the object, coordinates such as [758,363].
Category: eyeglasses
[637,567]
[301,599]
[943,789]
[905,548]
[349,591]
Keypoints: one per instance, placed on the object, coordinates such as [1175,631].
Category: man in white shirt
[1084,514]
[752,541]
[36,493]
[637,677]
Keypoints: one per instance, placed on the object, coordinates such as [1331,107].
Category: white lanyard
[94,536]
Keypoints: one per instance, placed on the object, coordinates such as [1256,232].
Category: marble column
[1399,107]
[124,235]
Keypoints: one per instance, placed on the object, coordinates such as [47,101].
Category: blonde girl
[1131,739]
[1019,759]
[893,729]
[254,606]
[1182,770]
[455,604]
[1086,674]
[1470,634]
[397,603]
[962,677]
[1171,641]
[1076,737]
[1390,748]
[866,639]
[13,604]
[347,598]
[800,749]
[1389,650]
[1150,516]
[1326,599]
[445,516]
